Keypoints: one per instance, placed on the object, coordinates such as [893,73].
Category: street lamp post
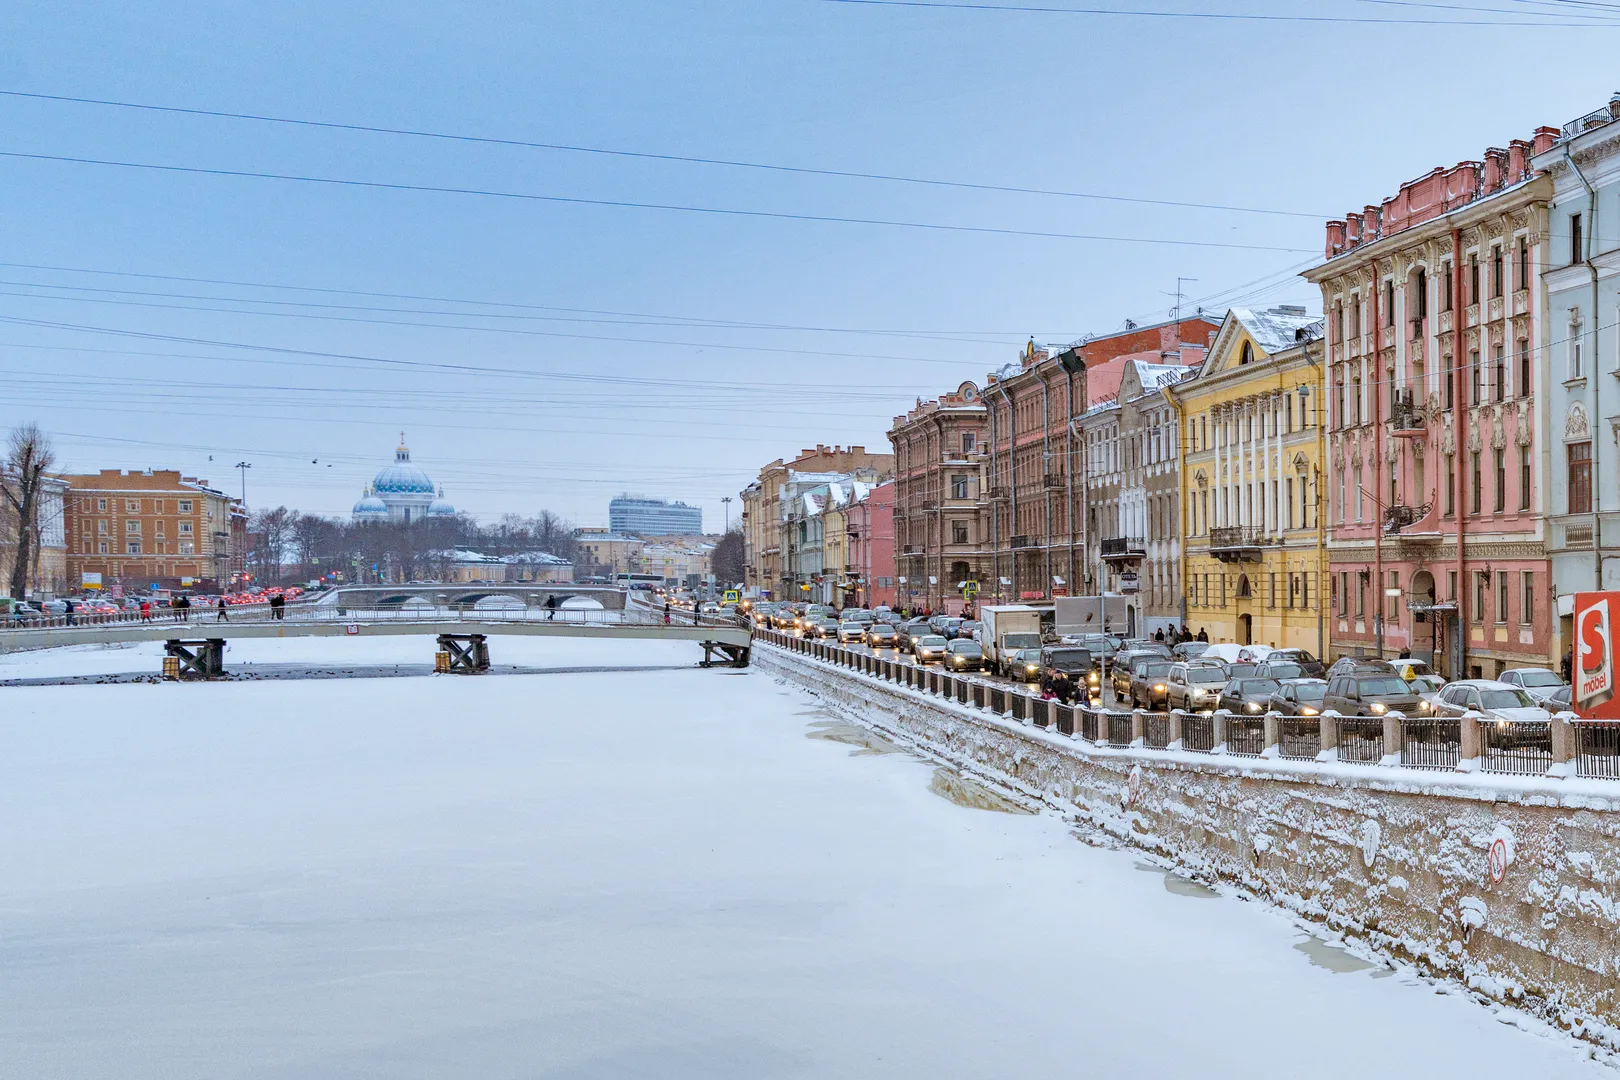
[244,466]
[727,501]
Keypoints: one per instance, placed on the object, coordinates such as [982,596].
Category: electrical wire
[963,5]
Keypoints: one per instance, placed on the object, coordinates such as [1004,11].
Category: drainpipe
[1046,492]
[995,511]
[1068,472]
[1461,650]
[1586,257]
[1378,463]
[1012,485]
[1180,534]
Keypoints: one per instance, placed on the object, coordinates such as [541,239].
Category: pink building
[1435,501]
[871,545]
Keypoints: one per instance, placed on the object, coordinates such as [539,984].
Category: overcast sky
[549,354]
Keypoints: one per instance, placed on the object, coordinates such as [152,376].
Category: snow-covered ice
[635,874]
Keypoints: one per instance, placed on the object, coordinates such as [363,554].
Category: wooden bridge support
[468,653]
[734,655]
[204,659]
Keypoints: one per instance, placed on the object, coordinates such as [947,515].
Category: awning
[1444,607]
[1006,581]
[932,580]
[901,579]
[1058,581]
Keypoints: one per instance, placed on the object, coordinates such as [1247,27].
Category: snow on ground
[672,874]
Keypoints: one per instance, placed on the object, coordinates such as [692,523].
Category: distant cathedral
[402,493]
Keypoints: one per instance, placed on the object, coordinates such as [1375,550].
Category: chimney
[1372,220]
[1355,229]
[1335,238]
[1518,161]
[1543,139]
[1614,106]
[1495,169]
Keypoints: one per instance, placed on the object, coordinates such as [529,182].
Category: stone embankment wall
[1508,884]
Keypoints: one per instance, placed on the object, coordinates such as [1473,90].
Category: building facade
[1130,447]
[1436,500]
[136,529]
[869,527]
[1579,345]
[939,534]
[768,551]
[603,553]
[632,515]
[1254,560]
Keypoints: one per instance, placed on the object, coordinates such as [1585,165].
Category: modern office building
[632,515]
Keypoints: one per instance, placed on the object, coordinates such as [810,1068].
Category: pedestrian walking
[551,608]
[220,614]
[1566,666]
[1158,635]
[184,606]
[67,609]
[666,612]
[1406,653]
[146,611]
[1203,635]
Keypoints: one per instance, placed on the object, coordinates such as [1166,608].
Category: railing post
[1138,728]
[1218,721]
[1394,738]
[1470,742]
[1271,742]
[1175,729]
[1566,747]
[1330,736]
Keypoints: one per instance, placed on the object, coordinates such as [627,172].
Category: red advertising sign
[1597,614]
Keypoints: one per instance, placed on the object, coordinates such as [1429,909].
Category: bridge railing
[1561,746]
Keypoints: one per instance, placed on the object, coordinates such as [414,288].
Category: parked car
[1494,699]
[1297,697]
[851,632]
[1540,683]
[964,654]
[1371,692]
[1344,665]
[1279,670]
[1312,667]
[1194,687]
[1189,650]
[929,648]
[880,635]
[1149,682]
[1246,695]
[1025,665]
[1558,700]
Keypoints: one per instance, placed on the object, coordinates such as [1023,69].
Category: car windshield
[1506,698]
[1297,655]
[1539,678]
[1285,671]
[931,639]
[1193,648]
[1311,691]
[966,648]
[1022,641]
[1206,675]
[1383,685]
[851,626]
[1258,686]
[1240,669]
[1155,670]
[1068,656]
[882,630]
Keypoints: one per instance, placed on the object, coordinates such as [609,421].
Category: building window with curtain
[1524,478]
[1473,483]
[1500,493]
[1501,596]
[1527,597]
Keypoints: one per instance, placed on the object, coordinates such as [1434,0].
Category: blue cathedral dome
[370,508]
[402,478]
[441,507]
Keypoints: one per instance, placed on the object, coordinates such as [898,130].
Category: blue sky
[616,363]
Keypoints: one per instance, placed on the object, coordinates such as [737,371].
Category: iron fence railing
[1040,712]
[1245,735]
[1020,706]
[1516,746]
[1064,715]
[1198,732]
[1597,748]
[1089,724]
[1360,738]
[1299,737]
[1430,742]
[1119,729]
[1156,730]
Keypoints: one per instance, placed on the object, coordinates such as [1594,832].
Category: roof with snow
[1279,328]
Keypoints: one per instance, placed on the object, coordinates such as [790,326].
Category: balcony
[1406,419]
[1124,549]
[1053,480]
[1399,518]
[997,494]
[1022,542]
[1237,543]
[930,504]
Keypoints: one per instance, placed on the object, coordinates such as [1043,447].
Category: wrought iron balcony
[1397,518]
[1054,480]
[997,493]
[1236,543]
[1407,419]
[1022,542]
[1124,548]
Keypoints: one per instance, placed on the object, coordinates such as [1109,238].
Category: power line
[962,5]
[568,200]
[645,155]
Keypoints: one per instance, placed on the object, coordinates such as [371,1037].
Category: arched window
[1248,354]
[1243,590]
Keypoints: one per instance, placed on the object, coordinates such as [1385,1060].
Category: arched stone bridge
[471,595]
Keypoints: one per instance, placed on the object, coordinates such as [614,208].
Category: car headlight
[1158,688]
[1031,669]
[1379,708]
[1253,706]
[1306,710]
[1094,677]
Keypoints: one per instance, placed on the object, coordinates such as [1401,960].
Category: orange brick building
[154,526]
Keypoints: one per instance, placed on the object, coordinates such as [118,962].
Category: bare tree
[273,530]
[29,458]
[727,560]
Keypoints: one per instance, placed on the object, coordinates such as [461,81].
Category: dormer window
[1247,356]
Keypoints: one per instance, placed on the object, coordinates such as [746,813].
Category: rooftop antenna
[1175,312]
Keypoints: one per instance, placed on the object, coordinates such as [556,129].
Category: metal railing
[1089,723]
[1197,732]
[1236,536]
[1064,715]
[1430,742]
[1299,737]
[1245,735]
[1516,746]
[1119,729]
[1123,545]
[1597,745]
[1156,730]
[1040,712]
[1359,738]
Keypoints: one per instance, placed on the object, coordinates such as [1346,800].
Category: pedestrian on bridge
[220,612]
[182,608]
[551,608]
[666,611]
[146,611]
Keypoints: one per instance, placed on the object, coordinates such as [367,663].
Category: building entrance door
[1245,629]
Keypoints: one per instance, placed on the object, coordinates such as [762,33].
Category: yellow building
[1254,563]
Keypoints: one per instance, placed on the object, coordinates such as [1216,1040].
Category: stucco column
[1273,735]
[1329,734]
[1138,728]
[1218,722]
[1175,729]
[1394,738]
[1566,745]
[1470,742]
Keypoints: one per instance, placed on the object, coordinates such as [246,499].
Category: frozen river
[660,873]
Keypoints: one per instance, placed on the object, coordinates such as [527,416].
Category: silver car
[1494,700]
[1539,682]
